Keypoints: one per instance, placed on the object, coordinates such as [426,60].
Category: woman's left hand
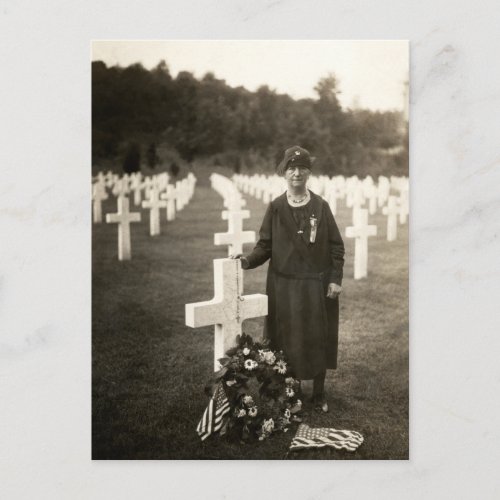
[334,291]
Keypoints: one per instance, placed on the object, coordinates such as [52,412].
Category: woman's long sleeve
[263,249]
[337,250]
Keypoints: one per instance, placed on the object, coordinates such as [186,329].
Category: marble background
[45,248]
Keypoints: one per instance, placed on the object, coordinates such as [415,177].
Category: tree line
[147,117]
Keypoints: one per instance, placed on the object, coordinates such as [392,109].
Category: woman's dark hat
[296,156]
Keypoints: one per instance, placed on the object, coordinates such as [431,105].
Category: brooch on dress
[314,226]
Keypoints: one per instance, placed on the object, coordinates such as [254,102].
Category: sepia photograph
[280,279]
[250,213]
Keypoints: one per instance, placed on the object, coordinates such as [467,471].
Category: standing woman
[300,236]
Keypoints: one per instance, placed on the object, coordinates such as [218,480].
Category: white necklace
[300,200]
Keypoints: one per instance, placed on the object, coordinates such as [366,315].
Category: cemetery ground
[149,369]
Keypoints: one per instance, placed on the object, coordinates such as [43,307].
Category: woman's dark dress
[302,321]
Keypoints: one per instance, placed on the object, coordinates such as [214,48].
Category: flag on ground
[214,413]
[308,437]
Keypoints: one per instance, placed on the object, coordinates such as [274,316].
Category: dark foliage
[132,161]
[152,156]
[174,169]
[209,120]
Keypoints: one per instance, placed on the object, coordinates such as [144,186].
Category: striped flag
[308,437]
[214,413]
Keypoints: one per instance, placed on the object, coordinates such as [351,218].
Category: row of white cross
[172,199]
[357,193]
[235,237]
[175,197]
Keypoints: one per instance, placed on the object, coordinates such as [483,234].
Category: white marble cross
[403,206]
[235,236]
[179,199]
[147,184]
[185,192]
[228,309]
[191,183]
[136,187]
[384,188]
[331,198]
[392,211]
[161,181]
[100,178]
[111,179]
[170,197]
[121,187]
[234,202]
[358,199]
[371,193]
[98,195]
[361,231]
[154,204]
[266,196]
[123,218]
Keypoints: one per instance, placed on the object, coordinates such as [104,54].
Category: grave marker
[123,218]
[372,195]
[98,195]
[361,231]
[170,197]
[392,211]
[120,187]
[154,204]
[228,309]
[179,200]
[136,187]
[235,236]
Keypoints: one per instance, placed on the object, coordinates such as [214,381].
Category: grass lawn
[149,369]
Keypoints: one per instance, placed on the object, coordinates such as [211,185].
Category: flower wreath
[260,389]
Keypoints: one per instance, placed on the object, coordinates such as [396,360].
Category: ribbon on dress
[314,227]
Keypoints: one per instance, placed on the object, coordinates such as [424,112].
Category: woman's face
[296,177]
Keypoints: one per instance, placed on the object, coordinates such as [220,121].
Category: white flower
[298,403]
[280,367]
[241,413]
[289,392]
[287,413]
[246,351]
[289,381]
[269,358]
[268,426]
[253,411]
[250,364]
[248,400]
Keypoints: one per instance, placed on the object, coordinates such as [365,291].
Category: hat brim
[280,169]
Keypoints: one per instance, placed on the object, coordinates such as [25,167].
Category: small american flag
[308,437]
[213,416]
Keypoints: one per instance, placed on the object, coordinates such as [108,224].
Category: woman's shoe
[321,405]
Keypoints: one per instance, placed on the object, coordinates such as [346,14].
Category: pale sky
[369,72]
